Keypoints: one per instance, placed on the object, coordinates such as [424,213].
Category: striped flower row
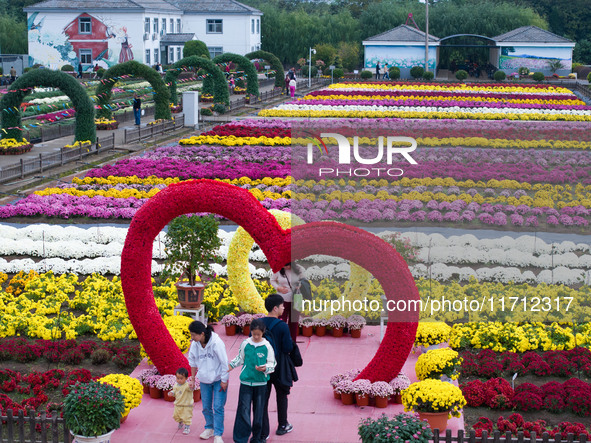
[451,87]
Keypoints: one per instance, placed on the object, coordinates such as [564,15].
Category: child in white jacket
[209,363]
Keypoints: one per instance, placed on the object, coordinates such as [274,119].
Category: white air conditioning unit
[147,36]
[154,36]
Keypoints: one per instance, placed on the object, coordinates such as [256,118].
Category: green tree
[195,47]
[349,54]
[325,52]
[13,35]
[582,52]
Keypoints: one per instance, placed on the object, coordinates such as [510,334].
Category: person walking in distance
[378,71]
[137,108]
[79,70]
[12,74]
[283,376]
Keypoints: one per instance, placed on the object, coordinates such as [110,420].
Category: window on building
[170,55]
[156,56]
[214,51]
[178,25]
[155,30]
[164,26]
[214,26]
[147,25]
[86,56]
[147,56]
[252,26]
[171,27]
[85,25]
[178,53]
[258,25]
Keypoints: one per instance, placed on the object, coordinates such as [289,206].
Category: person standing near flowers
[209,363]
[183,401]
[287,282]
[137,108]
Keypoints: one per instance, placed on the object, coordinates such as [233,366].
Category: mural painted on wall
[105,43]
[399,56]
[534,58]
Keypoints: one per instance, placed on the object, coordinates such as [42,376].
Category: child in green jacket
[258,360]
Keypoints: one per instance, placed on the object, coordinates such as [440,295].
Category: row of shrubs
[418,72]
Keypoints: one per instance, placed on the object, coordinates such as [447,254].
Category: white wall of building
[236,37]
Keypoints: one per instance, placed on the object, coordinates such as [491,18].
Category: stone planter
[105,438]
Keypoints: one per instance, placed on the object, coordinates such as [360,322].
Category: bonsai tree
[93,409]
[191,244]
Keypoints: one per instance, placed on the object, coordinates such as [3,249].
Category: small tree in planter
[191,244]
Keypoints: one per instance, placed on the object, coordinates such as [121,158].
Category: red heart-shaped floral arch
[240,206]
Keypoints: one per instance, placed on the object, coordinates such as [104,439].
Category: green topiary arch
[220,91]
[10,104]
[132,67]
[275,64]
[252,81]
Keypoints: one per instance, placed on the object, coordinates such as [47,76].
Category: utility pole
[426,35]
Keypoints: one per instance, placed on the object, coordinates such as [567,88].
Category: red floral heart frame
[280,246]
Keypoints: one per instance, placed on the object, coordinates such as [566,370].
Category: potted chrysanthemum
[166,383]
[441,364]
[381,391]
[143,375]
[337,323]
[347,391]
[362,389]
[131,389]
[307,325]
[92,411]
[230,321]
[355,324]
[434,400]
[399,384]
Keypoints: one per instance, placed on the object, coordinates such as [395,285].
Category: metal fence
[47,161]
[138,134]
[31,429]
[498,437]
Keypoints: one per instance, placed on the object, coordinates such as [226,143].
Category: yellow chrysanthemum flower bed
[452,86]
[433,396]
[104,121]
[438,362]
[130,388]
[231,140]
[7,143]
[459,115]
[178,327]
[80,144]
[432,333]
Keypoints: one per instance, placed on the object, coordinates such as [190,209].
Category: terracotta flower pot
[231,330]
[166,396]
[320,331]
[246,330]
[347,399]
[336,394]
[122,419]
[381,402]
[397,399]
[362,400]
[307,331]
[146,389]
[155,393]
[436,420]
[190,297]
[356,333]
[337,332]
[196,395]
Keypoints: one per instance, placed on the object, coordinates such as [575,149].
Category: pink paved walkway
[313,411]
